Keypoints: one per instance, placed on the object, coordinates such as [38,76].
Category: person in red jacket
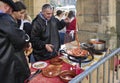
[71,27]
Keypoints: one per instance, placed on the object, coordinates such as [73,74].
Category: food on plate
[96,42]
[56,61]
[39,65]
[52,70]
[67,75]
[77,52]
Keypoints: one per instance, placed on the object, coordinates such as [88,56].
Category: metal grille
[107,70]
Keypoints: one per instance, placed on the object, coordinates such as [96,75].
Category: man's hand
[49,47]
[28,49]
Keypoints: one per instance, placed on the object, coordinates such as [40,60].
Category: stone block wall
[34,6]
[97,19]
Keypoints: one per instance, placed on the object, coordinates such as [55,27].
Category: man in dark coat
[44,35]
[14,67]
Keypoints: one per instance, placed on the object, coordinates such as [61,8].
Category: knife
[33,75]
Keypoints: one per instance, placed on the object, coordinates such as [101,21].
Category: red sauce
[96,42]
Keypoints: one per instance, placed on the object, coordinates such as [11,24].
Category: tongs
[33,75]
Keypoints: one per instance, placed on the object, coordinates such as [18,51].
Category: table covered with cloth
[40,78]
[66,65]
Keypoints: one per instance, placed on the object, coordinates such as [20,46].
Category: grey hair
[47,6]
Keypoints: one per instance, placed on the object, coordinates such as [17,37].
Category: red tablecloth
[42,79]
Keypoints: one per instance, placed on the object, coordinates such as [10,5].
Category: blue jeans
[62,35]
[32,59]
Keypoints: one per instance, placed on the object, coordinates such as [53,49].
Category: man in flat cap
[13,64]
[6,6]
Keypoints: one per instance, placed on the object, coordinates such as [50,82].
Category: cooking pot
[98,44]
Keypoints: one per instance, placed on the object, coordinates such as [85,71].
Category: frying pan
[63,51]
[79,59]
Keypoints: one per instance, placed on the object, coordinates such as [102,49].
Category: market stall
[51,69]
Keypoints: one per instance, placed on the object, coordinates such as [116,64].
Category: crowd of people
[24,40]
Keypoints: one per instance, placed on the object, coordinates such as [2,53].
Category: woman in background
[71,27]
[59,15]
[19,15]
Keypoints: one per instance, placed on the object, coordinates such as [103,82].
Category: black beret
[10,3]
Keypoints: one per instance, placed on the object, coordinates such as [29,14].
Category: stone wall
[34,6]
[97,19]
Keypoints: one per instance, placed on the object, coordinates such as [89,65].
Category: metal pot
[99,45]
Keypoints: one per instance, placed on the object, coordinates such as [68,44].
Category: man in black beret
[9,4]
[13,63]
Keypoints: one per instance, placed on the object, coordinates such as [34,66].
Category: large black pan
[79,59]
[83,57]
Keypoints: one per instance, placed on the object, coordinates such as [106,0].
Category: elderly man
[44,35]
[14,67]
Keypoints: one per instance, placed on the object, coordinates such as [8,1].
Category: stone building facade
[98,19]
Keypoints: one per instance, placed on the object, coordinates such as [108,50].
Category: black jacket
[45,32]
[13,64]
[27,27]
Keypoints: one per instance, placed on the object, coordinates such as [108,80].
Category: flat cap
[10,3]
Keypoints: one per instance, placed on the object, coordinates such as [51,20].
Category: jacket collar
[41,15]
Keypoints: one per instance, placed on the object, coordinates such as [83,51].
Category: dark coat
[27,27]
[13,64]
[45,32]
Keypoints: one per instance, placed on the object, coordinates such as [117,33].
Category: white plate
[39,65]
